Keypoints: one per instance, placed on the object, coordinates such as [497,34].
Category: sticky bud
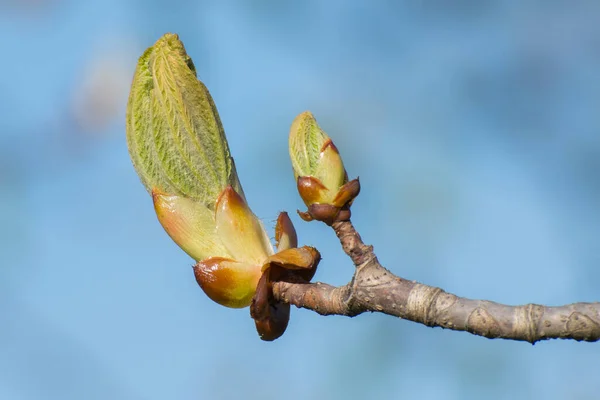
[319,171]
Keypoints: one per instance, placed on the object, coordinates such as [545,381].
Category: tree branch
[374,288]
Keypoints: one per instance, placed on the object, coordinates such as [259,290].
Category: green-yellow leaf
[305,143]
[175,137]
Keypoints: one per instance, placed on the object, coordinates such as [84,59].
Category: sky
[473,127]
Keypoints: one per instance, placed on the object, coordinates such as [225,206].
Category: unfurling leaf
[174,134]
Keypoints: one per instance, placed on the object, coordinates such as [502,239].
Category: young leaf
[174,134]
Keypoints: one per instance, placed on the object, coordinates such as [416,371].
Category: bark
[374,288]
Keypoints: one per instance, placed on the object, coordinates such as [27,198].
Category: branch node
[420,303]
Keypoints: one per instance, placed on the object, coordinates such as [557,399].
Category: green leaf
[175,137]
[305,144]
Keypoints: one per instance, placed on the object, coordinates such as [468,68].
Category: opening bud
[319,170]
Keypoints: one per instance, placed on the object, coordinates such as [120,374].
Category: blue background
[473,126]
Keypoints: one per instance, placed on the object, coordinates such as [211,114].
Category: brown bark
[374,288]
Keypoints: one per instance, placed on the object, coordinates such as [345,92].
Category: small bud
[313,154]
[319,171]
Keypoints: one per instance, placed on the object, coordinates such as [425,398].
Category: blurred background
[473,126]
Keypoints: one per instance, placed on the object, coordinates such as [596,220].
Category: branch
[374,288]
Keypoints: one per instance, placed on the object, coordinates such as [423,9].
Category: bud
[179,150]
[318,168]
